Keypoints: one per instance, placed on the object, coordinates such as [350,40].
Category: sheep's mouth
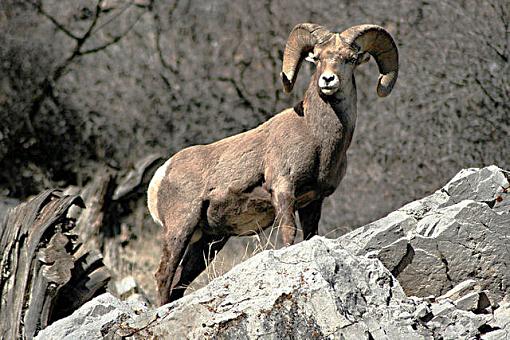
[329,90]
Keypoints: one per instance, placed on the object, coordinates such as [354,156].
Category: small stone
[498,334]
[459,290]
[443,308]
[430,298]
[484,301]
[422,311]
[126,287]
[474,302]
[468,302]
[138,302]
[404,315]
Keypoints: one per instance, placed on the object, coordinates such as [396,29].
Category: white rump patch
[152,192]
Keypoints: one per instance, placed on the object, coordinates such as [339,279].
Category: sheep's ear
[362,58]
[311,58]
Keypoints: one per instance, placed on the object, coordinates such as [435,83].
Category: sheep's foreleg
[284,203]
[309,217]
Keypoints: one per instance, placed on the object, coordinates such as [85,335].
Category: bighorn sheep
[244,183]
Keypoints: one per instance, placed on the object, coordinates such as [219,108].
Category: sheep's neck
[331,119]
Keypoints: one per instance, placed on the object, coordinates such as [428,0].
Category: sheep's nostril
[328,78]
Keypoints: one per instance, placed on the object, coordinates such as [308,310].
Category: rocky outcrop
[435,268]
[460,232]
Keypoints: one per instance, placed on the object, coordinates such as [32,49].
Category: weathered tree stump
[52,249]
[46,272]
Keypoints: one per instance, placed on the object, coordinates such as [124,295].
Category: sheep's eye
[312,58]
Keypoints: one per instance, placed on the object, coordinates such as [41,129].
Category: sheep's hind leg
[197,257]
[179,224]
[284,204]
[309,217]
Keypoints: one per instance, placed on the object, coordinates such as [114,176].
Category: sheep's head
[335,61]
[337,54]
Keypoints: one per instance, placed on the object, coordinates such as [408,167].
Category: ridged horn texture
[379,44]
[301,41]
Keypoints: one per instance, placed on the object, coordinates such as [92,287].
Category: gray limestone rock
[313,290]
[316,289]
[453,244]
[87,321]
[499,326]
[459,233]
[481,185]
[126,287]
[476,301]
[423,311]
[459,290]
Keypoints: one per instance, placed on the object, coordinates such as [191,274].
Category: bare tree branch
[87,34]
[244,98]
[495,49]
[48,84]
[38,5]
[115,40]
[487,93]
[113,17]
[157,21]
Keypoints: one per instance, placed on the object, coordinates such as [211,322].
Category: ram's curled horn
[379,43]
[301,41]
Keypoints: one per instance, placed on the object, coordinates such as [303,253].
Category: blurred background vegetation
[89,84]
